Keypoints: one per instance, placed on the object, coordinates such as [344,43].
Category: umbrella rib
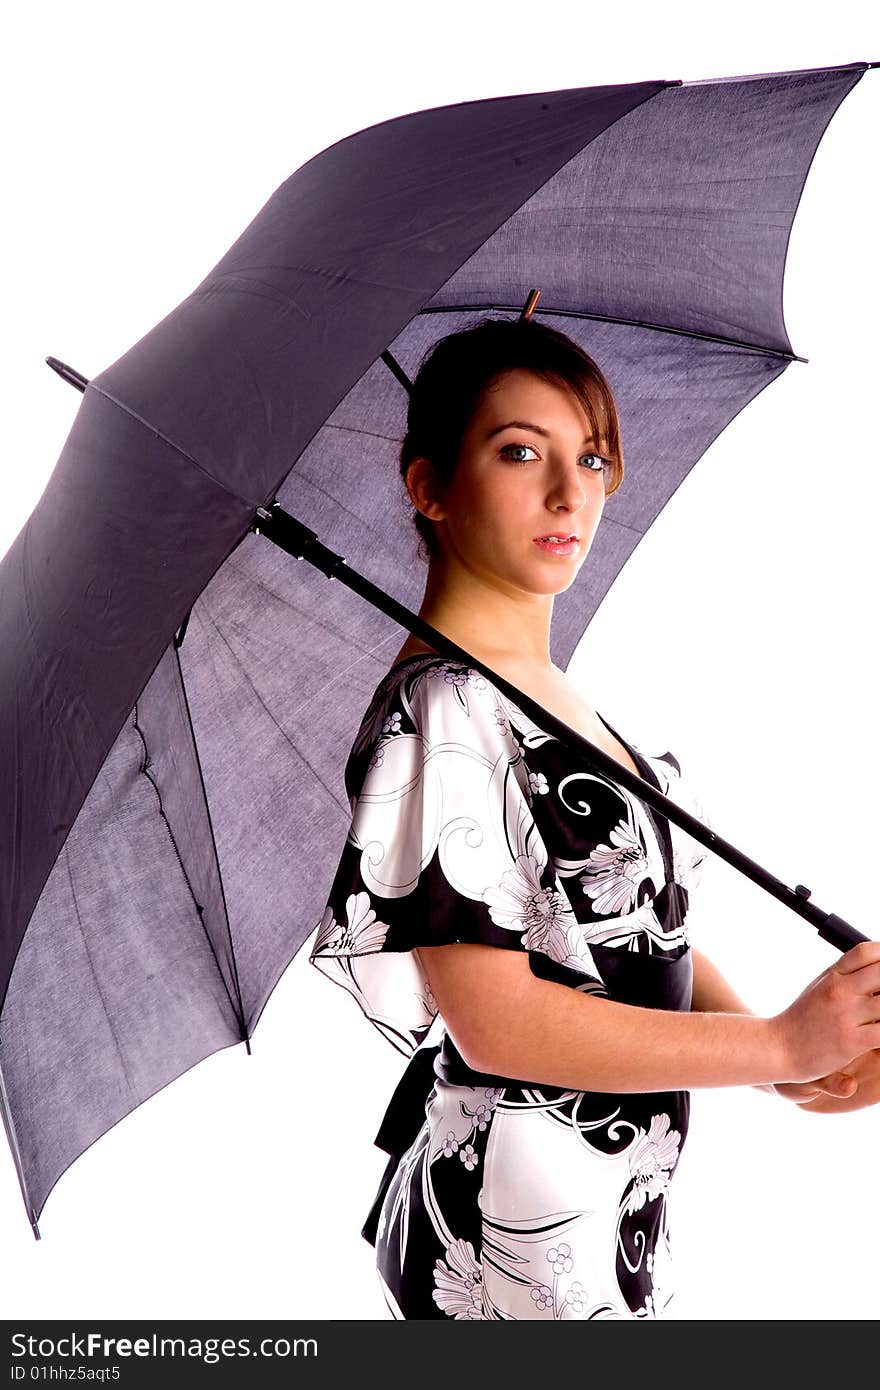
[278,725]
[610,318]
[786,72]
[158,434]
[12,1136]
[95,976]
[345,675]
[199,907]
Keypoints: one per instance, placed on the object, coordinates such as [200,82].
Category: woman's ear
[421,484]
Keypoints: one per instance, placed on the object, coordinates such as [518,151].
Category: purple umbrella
[177,696]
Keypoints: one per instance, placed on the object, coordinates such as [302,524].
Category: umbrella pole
[291,535]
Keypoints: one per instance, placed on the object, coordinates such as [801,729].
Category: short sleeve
[442,847]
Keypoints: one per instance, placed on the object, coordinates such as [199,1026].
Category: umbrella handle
[839,933]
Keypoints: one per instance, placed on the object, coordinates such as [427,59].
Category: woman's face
[516,482]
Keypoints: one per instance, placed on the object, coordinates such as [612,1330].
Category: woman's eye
[507,448]
[596,464]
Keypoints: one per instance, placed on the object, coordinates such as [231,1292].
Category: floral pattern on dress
[512,1199]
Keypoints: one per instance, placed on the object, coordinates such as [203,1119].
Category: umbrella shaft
[292,536]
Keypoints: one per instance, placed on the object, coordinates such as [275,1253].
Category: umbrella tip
[529,307]
[68,374]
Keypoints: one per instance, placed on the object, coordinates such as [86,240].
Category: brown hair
[456,372]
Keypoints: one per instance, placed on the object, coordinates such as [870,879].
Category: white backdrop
[139,144]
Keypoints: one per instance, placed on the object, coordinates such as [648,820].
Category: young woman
[493,881]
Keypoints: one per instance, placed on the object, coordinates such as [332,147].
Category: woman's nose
[569,487]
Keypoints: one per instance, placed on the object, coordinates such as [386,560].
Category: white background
[139,142]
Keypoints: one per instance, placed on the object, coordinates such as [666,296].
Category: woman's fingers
[865,955]
[837,1083]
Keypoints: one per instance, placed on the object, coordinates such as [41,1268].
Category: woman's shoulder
[413,646]
[438,699]
[418,687]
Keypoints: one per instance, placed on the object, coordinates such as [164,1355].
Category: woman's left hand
[852,1088]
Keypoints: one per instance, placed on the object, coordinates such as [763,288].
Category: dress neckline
[662,828]
[638,758]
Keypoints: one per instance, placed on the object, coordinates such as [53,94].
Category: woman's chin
[548,585]
[542,575]
[553,574]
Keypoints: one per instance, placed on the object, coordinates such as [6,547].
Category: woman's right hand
[836,1018]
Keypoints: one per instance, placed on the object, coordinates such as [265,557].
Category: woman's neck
[496,625]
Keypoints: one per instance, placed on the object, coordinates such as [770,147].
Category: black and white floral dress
[503,1198]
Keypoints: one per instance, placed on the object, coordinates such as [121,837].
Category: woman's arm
[826,1095]
[507,1021]
[713,994]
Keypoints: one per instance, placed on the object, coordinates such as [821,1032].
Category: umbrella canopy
[175,800]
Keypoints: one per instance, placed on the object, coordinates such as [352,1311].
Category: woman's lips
[557,547]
